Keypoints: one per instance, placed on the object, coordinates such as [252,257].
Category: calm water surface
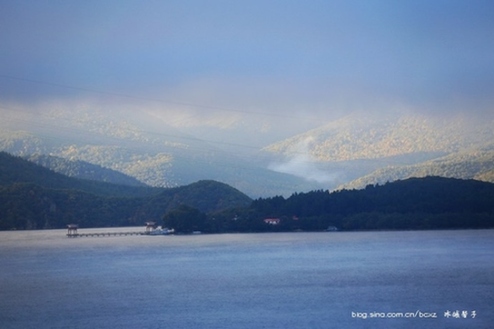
[283,280]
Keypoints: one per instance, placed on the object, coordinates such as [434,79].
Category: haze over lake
[284,280]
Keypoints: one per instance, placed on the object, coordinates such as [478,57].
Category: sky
[282,64]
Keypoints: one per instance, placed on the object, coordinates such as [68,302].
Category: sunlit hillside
[477,165]
[83,170]
[359,136]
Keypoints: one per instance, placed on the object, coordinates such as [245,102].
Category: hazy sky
[313,59]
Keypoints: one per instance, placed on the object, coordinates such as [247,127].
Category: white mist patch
[301,164]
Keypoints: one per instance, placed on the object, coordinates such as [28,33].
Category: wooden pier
[102,234]
[72,232]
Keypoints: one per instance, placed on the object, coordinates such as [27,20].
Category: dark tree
[185,219]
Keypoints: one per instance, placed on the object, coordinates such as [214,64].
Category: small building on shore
[272,221]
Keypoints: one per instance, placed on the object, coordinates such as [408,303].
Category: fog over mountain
[285,96]
[326,157]
[167,157]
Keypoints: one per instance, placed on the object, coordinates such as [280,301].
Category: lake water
[281,280]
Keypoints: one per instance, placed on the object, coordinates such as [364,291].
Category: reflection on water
[285,280]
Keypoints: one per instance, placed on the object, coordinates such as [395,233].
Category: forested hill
[415,203]
[33,197]
[411,204]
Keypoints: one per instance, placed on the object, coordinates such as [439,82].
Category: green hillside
[33,197]
[205,196]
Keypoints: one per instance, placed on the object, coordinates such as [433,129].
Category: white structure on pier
[150,226]
[72,229]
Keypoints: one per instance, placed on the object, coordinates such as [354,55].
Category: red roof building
[272,221]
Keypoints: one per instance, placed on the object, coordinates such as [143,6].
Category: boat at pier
[161,231]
